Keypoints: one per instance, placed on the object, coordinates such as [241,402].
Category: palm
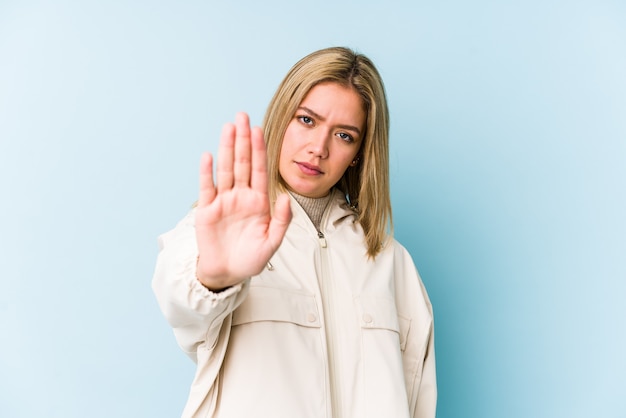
[235,229]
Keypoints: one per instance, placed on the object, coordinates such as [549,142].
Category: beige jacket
[321,332]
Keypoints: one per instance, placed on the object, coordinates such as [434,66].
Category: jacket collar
[336,212]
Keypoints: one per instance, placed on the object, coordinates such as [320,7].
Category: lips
[309,169]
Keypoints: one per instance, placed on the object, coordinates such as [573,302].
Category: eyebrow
[320,117]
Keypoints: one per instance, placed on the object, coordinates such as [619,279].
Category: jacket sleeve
[195,313]
[419,353]
[426,396]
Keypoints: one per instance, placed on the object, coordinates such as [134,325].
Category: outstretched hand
[236,232]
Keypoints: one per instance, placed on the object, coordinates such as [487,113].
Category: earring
[354,162]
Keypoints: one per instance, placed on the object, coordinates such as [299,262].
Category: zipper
[322,239]
[328,302]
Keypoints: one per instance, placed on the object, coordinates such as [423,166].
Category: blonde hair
[366,186]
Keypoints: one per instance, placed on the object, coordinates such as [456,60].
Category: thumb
[280,220]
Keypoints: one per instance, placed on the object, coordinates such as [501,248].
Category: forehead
[332,88]
[334,99]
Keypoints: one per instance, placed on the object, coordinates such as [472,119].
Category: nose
[318,144]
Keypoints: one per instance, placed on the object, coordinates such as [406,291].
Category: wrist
[211,283]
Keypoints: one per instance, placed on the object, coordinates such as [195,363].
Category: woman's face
[322,139]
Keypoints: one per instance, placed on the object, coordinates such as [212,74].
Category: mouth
[309,169]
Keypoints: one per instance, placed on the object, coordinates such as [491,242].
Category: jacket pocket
[277,305]
[380,313]
[383,339]
[275,357]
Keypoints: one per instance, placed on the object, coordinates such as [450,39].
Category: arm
[426,396]
[205,263]
[419,354]
[194,312]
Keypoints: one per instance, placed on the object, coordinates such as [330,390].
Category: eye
[305,119]
[346,137]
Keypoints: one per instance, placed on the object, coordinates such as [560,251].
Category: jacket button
[311,317]
[367,318]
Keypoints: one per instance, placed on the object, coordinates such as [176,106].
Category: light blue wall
[508,163]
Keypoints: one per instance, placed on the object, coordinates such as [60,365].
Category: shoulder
[395,250]
[409,284]
[184,231]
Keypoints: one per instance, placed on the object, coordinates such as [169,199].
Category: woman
[283,283]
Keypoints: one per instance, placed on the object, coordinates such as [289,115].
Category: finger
[207,188]
[225,158]
[242,150]
[280,220]
[258,176]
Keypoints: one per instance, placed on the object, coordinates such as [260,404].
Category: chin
[305,191]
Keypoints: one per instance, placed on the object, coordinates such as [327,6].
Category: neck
[313,206]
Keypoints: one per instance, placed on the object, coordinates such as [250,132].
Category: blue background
[508,163]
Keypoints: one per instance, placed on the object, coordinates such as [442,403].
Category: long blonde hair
[366,185]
